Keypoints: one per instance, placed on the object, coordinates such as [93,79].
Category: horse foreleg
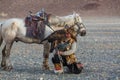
[6,63]
[46,55]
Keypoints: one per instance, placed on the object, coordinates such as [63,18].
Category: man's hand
[60,52]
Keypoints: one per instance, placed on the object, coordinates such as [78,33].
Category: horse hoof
[7,68]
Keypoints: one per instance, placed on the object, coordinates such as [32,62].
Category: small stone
[41,78]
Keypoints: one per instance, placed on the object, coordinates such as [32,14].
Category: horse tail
[1,39]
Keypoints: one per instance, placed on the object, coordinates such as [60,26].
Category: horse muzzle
[82,32]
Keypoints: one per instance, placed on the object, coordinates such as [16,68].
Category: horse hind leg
[6,63]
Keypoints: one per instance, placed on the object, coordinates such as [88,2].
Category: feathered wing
[57,35]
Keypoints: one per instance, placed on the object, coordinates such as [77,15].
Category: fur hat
[73,33]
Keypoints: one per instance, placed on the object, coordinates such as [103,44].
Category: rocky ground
[99,51]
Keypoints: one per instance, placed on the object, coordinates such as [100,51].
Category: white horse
[15,30]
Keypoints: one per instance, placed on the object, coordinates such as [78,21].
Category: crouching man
[65,56]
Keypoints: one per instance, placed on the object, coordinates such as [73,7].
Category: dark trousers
[62,59]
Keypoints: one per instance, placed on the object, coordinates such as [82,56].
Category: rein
[47,22]
[50,27]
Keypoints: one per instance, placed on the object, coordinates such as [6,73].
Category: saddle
[31,22]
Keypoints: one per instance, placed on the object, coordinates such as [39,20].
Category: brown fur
[59,36]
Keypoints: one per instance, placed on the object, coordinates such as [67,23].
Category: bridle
[78,24]
[79,27]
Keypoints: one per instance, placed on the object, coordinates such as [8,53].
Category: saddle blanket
[36,31]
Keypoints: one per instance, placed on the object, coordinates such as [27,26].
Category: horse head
[78,25]
[78,28]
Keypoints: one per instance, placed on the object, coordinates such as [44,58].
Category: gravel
[99,51]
